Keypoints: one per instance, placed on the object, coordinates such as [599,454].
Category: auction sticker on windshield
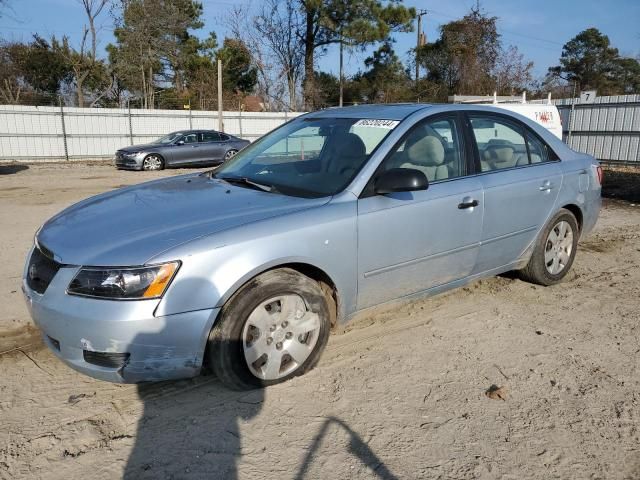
[370,122]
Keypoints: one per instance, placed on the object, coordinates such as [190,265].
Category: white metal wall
[608,129]
[40,133]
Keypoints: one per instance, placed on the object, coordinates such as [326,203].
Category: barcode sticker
[372,122]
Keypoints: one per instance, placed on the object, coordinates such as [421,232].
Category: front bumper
[159,348]
[128,163]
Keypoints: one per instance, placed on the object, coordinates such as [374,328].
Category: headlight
[131,154]
[124,283]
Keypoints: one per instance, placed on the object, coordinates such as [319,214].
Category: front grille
[124,161]
[105,359]
[41,270]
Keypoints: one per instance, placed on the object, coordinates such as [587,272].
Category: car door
[186,149]
[413,241]
[521,177]
[213,147]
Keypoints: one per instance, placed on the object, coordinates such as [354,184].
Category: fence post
[240,120]
[571,113]
[190,119]
[64,130]
[130,124]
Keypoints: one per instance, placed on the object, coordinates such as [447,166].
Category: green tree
[326,89]
[153,44]
[31,72]
[201,72]
[239,75]
[463,59]
[386,79]
[589,60]
[327,22]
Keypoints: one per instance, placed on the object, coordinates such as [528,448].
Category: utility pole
[422,39]
[220,122]
[341,70]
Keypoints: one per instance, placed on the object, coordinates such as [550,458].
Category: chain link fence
[30,133]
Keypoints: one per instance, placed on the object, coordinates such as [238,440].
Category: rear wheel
[555,250]
[153,162]
[273,329]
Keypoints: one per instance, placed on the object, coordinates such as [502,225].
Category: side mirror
[180,142]
[401,180]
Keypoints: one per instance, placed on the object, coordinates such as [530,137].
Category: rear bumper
[158,348]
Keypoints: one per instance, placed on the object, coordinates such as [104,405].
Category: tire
[230,154]
[263,337]
[554,251]
[153,162]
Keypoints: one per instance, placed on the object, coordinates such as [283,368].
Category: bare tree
[83,61]
[277,24]
[512,72]
[270,85]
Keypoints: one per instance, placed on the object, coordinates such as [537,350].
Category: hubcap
[229,154]
[152,163]
[279,336]
[558,248]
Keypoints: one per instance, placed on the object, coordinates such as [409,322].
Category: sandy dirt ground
[400,393]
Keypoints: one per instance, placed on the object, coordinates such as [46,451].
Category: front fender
[215,267]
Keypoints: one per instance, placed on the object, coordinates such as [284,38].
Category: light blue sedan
[247,268]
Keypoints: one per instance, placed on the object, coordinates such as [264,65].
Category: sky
[539,28]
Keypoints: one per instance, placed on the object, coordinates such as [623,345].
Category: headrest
[499,150]
[350,145]
[427,151]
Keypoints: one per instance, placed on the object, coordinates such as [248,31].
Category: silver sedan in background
[181,149]
[247,268]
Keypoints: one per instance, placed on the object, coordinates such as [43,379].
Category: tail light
[599,174]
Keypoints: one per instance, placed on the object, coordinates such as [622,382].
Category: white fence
[58,133]
[608,129]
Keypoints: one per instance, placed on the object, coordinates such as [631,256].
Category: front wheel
[152,162]
[230,154]
[554,251]
[274,328]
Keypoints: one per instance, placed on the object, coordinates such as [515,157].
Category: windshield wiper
[250,183]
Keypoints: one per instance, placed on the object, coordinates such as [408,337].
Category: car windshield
[167,139]
[310,157]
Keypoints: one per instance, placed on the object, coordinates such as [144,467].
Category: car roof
[185,132]
[387,111]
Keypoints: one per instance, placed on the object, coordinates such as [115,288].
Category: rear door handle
[546,186]
[468,203]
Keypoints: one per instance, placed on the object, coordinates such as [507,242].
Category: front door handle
[467,203]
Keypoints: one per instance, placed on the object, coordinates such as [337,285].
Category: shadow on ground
[11,169]
[191,429]
[622,184]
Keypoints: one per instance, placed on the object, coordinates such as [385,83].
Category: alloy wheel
[152,162]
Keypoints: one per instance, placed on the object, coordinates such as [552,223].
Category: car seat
[498,154]
[348,153]
[427,154]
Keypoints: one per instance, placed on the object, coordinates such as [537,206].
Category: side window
[538,150]
[190,138]
[210,137]
[223,137]
[433,147]
[501,144]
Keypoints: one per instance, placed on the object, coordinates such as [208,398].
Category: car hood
[129,226]
[141,148]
